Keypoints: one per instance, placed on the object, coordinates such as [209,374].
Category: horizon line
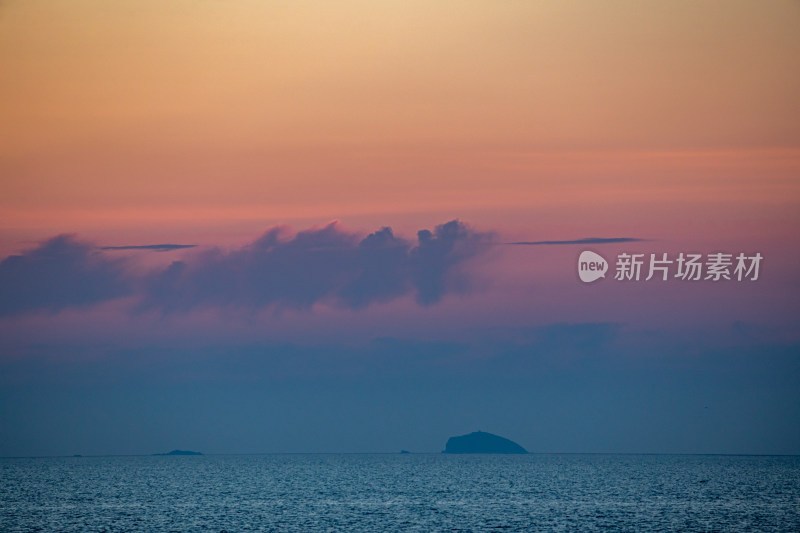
[201,454]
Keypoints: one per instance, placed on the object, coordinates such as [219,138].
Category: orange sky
[203,120]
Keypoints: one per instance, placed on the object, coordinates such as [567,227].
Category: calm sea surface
[401,493]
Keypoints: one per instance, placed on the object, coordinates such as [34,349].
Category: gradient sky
[281,137]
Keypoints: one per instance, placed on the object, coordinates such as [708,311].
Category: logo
[685,266]
[591,266]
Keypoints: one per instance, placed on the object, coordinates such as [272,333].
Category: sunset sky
[274,141]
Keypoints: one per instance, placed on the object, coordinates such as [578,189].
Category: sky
[256,227]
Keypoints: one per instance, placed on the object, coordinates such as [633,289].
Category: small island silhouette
[482,442]
[179,452]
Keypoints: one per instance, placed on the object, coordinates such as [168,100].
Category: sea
[401,492]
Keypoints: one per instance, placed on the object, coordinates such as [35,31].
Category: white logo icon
[591,266]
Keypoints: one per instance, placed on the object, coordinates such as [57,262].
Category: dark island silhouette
[179,452]
[482,442]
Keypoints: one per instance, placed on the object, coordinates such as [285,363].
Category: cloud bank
[328,264]
[62,272]
[323,264]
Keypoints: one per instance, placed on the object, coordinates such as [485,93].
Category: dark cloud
[588,240]
[435,261]
[297,271]
[322,264]
[62,272]
[277,269]
[151,247]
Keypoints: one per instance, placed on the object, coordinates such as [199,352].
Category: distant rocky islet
[482,442]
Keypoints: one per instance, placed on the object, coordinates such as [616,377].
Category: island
[179,452]
[482,442]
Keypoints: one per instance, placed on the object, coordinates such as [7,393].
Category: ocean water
[416,492]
